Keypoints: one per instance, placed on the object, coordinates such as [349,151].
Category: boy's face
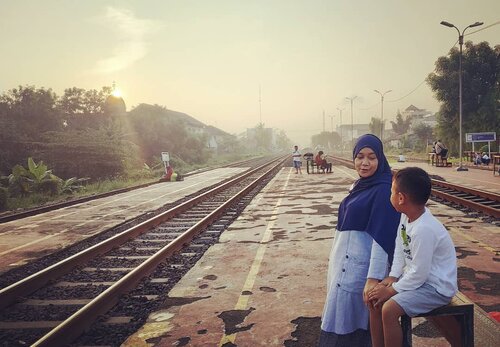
[395,196]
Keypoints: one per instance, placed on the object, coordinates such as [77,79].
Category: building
[357,130]
[419,116]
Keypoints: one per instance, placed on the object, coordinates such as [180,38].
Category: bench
[458,321]
[435,160]
[312,164]
[496,164]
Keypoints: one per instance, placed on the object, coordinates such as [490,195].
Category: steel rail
[81,320]
[28,285]
[466,202]
[495,212]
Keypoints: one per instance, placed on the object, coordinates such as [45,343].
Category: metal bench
[458,321]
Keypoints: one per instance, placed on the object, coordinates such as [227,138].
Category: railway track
[88,291]
[10,216]
[474,199]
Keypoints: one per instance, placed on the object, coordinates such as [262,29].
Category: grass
[134,178]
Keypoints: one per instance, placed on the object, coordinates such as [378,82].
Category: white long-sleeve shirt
[424,254]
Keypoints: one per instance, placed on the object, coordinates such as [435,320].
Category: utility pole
[260,107]
[341,139]
[352,121]
[323,120]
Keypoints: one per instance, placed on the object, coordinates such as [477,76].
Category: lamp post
[331,119]
[460,41]
[340,121]
[352,123]
[382,112]
[323,120]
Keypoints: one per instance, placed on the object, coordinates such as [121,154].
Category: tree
[376,126]
[480,91]
[326,139]
[153,130]
[282,141]
[401,125]
[32,111]
[72,101]
[263,137]
[424,133]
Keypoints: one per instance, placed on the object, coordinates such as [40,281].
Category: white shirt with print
[424,254]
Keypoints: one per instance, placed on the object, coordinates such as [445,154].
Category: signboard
[165,156]
[480,137]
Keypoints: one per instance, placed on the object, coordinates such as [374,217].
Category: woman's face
[366,162]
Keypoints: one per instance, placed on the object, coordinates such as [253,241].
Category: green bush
[483,149]
[50,186]
[3,198]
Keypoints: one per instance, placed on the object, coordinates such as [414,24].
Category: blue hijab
[368,207]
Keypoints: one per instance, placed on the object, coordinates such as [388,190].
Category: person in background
[424,272]
[478,160]
[362,248]
[322,163]
[441,152]
[485,159]
[297,163]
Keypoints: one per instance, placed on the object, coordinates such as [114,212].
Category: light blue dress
[354,257]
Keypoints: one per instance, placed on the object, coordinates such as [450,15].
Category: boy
[424,271]
[296,160]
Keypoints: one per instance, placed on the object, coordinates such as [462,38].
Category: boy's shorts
[297,164]
[421,300]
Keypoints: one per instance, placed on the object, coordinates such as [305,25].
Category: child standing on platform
[424,272]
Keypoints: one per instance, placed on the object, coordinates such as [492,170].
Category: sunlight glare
[117,93]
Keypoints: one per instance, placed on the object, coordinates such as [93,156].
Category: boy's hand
[381,294]
[388,281]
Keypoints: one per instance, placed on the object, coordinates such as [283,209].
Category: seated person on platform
[441,153]
[424,270]
[485,159]
[321,162]
[478,160]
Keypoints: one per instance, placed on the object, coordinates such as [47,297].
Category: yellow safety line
[254,269]
[478,243]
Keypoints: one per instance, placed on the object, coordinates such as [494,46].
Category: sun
[117,93]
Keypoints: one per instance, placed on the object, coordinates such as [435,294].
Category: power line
[483,28]
[368,108]
[411,92]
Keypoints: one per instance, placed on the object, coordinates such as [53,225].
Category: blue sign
[480,137]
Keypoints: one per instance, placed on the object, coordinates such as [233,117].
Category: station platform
[474,177]
[264,283]
[28,239]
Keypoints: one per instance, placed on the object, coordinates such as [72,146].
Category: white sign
[165,156]
[480,137]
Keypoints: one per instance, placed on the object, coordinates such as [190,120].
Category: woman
[362,249]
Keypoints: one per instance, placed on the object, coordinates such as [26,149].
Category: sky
[233,64]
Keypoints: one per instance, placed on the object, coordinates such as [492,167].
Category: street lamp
[382,112]
[460,41]
[340,121]
[352,123]
[331,118]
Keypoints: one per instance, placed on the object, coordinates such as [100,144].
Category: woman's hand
[380,294]
[369,285]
